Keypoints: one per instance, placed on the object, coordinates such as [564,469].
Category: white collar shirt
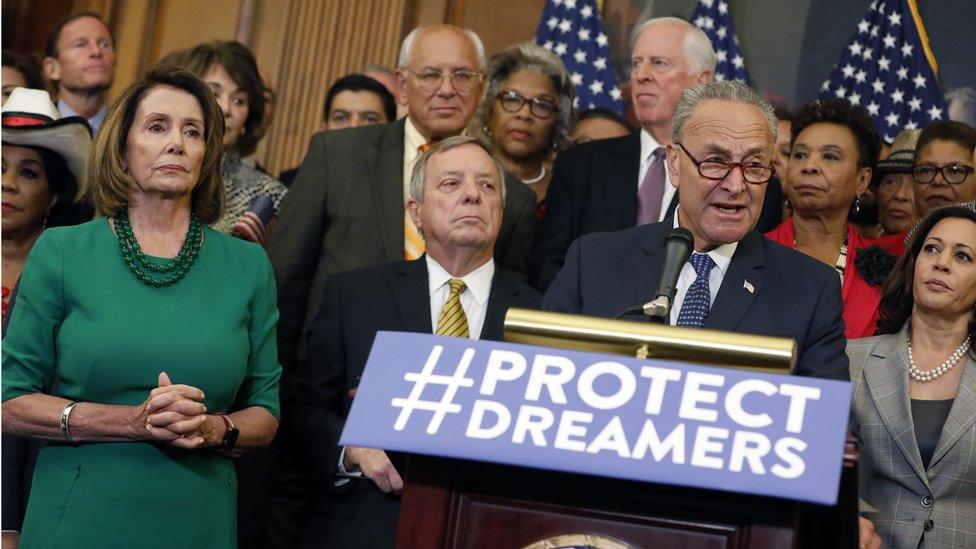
[412,141]
[474,300]
[647,147]
[722,256]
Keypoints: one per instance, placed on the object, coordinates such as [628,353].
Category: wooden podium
[453,503]
[450,503]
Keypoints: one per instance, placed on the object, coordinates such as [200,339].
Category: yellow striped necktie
[413,243]
[453,321]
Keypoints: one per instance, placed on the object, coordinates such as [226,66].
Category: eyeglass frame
[533,102]
[967,170]
[730,165]
[479,78]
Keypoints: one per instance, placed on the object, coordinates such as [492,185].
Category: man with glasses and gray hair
[720,160]
[347,207]
[614,184]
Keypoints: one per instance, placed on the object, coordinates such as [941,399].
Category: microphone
[677,248]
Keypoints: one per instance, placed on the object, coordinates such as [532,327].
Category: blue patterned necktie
[694,309]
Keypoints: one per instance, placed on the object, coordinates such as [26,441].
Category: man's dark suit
[594,189]
[356,305]
[345,212]
[791,295]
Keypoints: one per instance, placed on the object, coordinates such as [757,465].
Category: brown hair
[240,64]
[109,182]
[897,296]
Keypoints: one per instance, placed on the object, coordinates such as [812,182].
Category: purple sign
[648,420]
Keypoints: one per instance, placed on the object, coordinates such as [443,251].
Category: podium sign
[647,420]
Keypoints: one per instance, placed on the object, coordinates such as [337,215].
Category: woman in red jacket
[833,153]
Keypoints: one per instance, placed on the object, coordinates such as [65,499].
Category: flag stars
[840,92]
[600,63]
[615,94]
[861,76]
[560,49]
[878,85]
[723,7]
[825,86]
[919,80]
[848,71]
[722,32]
[577,79]
[902,73]
[552,22]
[570,4]
[855,99]
[894,19]
[738,61]
[868,52]
[601,39]
[584,35]
[586,12]
[863,27]
[721,56]
[935,113]
[889,41]
[596,87]
[874,31]
[892,120]
[580,56]
[897,96]
[911,125]
[874,109]
[915,104]
[906,50]
[884,63]
[548,45]
[565,26]
[855,48]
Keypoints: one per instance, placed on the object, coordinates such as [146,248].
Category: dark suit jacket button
[929,525]
[927,501]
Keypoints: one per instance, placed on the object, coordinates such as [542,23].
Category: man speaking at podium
[457,195]
[735,279]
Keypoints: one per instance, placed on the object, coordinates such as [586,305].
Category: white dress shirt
[474,300]
[722,256]
[412,141]
[647,147]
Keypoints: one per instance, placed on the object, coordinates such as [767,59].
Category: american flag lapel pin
[748,286]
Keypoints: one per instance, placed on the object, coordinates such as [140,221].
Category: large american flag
[573,30]
[888,69]
[715,19]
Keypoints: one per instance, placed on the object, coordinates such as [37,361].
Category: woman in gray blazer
[915,390]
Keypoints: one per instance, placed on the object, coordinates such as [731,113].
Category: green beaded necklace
[171,271]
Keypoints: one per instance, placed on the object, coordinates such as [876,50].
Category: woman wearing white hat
[44,161]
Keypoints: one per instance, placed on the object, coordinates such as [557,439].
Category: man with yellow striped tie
[455,289]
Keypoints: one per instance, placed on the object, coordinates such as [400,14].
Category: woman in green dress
[157,332]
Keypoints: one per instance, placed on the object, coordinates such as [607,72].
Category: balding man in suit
[346,209]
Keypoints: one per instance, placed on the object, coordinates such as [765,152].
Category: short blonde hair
[110,184]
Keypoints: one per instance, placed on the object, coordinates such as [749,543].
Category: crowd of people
[167,303]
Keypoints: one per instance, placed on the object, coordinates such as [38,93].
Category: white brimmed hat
[30,119]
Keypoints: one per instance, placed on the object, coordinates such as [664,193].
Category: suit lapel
[962,415]
[620,184]
[886,376]
[386,180]
[411,293]
[741,285]
[647,268]
[500,296]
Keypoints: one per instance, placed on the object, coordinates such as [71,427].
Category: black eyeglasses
[462,79]
[753,172]
[951,173]
[512,101]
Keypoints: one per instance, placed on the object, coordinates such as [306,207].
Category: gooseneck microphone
[677,248]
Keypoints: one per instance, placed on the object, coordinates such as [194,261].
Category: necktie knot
[702,263]
[658,154]
[457,286]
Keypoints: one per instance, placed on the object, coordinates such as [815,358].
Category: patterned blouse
[246,188]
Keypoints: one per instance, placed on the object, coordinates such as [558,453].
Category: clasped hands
[175,414]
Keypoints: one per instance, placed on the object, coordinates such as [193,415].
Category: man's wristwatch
[230,435]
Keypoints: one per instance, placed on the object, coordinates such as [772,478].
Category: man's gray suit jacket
[345,211]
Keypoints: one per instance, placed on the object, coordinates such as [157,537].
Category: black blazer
[792,295]
[345,211]
[593,189]
[355,306]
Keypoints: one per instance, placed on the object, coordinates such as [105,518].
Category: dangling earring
[857,205]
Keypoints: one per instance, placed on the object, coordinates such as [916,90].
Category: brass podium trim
[646,340]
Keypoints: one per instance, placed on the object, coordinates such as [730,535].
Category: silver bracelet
[65,413]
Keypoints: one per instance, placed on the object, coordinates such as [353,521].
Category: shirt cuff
[343,475]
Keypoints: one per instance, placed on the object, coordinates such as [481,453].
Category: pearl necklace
[941,369]
[537,178]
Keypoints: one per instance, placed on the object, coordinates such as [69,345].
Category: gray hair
[527,56]
[406,48]
[734,92]
[699,53]
[418,176]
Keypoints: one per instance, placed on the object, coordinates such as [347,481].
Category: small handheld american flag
[257,222]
